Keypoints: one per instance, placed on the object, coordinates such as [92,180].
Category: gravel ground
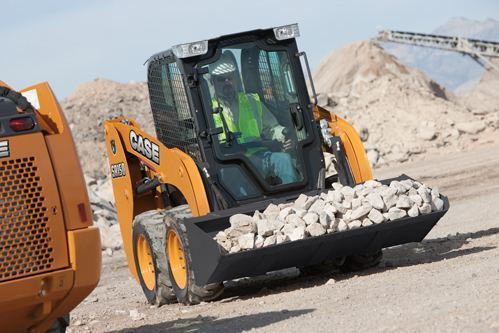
[448,283]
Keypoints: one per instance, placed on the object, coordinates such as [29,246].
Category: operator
[243,115]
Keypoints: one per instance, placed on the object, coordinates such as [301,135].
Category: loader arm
[128,147]
[354,149]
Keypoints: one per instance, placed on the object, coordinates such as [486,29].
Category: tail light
[22,124]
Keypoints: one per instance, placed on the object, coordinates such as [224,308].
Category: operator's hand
[287,144]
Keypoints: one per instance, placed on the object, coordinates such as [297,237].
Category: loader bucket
[211,264]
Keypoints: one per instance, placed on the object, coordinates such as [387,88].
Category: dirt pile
[483,99]
[399,112]
[94,102]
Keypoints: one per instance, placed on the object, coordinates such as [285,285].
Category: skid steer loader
[50,253]
[175,191]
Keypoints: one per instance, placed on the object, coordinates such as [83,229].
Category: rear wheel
[149,250]
[180,267]
[361,262]
[60,325]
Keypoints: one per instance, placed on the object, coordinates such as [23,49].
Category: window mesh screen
[170,108]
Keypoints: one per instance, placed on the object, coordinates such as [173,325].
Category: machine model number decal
[118,170]
[4,149]
[145,147]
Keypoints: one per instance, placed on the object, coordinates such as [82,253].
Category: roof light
[190,49]
[287,32]
[21,124]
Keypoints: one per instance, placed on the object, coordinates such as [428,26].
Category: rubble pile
[400,113]
[341,208]
[100,194]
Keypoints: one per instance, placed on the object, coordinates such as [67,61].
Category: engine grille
[25,236]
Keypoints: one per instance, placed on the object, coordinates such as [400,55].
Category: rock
[271,212]
[425,208]
[325,218]
[376,201]
[235,249]
[366,222]
[376,216]
[330,282]
[243,223]
[330,208]
[347,203]
[426,133]
[437,204]
[416,198]
[414,211]
[221,236]
[300,212]
[424,193]
[311,218]
[396,185]
[317,206]
[372,156]
[347,192]
[246,241]
[265,228]
[296,221]
[300,202]
[473,127]
[285,212]
[316,229]
[404,202]
[395,213]
[435,193]
[335,196]
[259,240]
[342,226]
[354,224]
[288,229]
[372,184]
[136,315]
[339,207]
[271,240]
[337,186]
[298,233]
[356,203]
[258,216]
[361,212]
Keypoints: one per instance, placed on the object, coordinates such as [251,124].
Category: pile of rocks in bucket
[341,208]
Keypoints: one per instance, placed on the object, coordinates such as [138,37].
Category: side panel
[354,148]
[172,166]
[31,220]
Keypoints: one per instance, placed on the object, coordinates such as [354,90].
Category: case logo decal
[4,149]
[144,147]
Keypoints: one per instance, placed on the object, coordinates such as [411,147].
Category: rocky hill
[400,113]
[94,102]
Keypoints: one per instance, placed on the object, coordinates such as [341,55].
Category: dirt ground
[448,283]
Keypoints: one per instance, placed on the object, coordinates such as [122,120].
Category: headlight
[190,49]
[287,32]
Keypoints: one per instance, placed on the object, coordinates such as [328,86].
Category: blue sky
[71,42]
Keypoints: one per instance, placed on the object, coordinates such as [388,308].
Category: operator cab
[239,105]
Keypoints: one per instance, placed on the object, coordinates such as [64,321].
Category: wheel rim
[146,265]
[176,258]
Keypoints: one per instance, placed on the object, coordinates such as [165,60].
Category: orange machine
[50,253]
[235,131]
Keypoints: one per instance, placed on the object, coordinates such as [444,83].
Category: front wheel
[149,251]
[180,267]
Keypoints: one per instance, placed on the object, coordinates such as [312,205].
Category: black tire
[60,325]
[360,262]
[323,268]
[151,225]
[190,293]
